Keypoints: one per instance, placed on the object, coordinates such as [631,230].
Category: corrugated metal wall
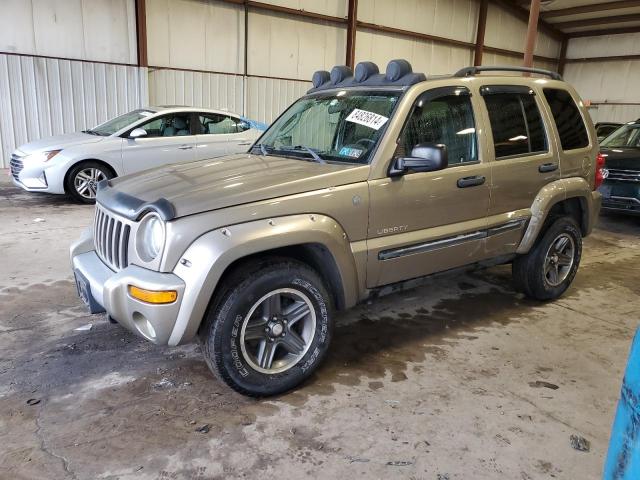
[196,52]
[42,96]
[612,81]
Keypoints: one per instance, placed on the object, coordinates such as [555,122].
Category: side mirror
[425,157]
[137,133]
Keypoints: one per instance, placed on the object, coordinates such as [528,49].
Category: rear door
[169,139]
[424,222]
[524,161]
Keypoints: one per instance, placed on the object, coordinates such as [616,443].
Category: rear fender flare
[550,195]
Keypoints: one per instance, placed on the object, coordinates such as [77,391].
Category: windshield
[338,126]
[115,124]
[626,136]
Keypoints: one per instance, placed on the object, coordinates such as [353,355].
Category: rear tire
[270,329]
[82,181]
[548,269]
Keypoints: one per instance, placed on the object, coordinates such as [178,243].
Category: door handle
[245,143]
[548,167]
[471,181]
[185,147]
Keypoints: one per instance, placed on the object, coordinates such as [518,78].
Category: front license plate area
[84,292]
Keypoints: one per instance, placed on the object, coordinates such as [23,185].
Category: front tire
[548,269]
[270,329]
[82,181]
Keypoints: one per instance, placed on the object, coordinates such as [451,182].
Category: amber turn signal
[153,296]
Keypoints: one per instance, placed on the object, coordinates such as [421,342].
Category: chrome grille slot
[16,165]
[111,239]
[624,175]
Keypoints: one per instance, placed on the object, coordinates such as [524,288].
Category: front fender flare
[204,262]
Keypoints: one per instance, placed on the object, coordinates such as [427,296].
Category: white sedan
[149,137]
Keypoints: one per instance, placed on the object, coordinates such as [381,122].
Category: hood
[59,142]
[622,158]
[212,184]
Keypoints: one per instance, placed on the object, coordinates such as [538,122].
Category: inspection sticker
[368,119]
[350,152]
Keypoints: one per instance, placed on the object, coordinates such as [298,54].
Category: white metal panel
[195,35]
[281,46]
[198,89]
[267,98]
[98,30]
[335,8]
[614,113]
[604,46]
[428,57]
[505,30]
[41,97]
[618,82]
[455,19]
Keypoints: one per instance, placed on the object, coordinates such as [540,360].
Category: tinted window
[571,129]
[173,125]
[516,124]
[213,123]
[447,120]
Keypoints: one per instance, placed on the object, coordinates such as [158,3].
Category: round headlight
[150,237]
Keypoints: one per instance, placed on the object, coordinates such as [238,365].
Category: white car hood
[59,142]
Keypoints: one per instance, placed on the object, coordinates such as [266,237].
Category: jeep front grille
[16,165]
[111,239]
[624,175]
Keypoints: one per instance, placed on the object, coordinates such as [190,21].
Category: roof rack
[468,71]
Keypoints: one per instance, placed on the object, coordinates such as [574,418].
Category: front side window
[116,124]
[173,125]
[573,133]
[214,123]
[516,123]
[447,120]
[340,126]
[627,136]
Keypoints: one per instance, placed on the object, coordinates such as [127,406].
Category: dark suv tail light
[599,171]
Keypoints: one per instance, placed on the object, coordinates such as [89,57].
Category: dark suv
[621,189]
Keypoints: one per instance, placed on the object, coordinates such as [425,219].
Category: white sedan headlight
[150,237]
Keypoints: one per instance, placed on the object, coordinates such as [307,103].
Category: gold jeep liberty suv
[368,181]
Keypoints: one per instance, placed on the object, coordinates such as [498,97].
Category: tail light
[599,171]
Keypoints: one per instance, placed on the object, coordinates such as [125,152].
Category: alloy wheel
[86,182]
[559,260]
[278,330]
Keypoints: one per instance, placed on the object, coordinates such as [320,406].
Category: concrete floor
[434,383]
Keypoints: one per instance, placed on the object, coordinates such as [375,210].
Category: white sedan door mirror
[137,133]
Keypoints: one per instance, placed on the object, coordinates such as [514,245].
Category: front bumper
[621,197]
[36,176]
[109,289]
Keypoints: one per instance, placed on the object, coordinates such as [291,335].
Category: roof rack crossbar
[468,71]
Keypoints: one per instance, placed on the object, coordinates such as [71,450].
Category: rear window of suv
[573,133]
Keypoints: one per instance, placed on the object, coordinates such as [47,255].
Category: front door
[426,222]
[169,139]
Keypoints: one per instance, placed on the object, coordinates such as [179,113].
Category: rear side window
[571,129]
[515,121]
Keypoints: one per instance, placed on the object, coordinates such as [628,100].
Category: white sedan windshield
[115,124]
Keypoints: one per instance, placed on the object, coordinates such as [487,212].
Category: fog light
[153,296]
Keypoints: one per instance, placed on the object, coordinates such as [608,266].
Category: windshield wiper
[310,151]
[262,147]
[90,132]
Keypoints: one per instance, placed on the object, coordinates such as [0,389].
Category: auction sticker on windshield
[368,119]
